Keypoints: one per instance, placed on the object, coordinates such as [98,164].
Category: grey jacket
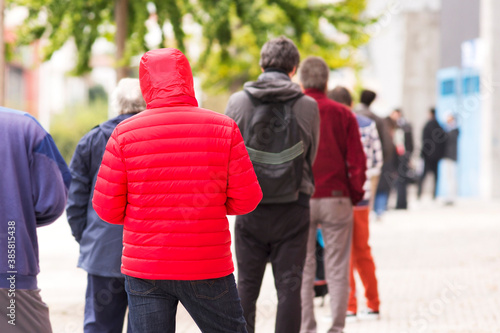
[278,86]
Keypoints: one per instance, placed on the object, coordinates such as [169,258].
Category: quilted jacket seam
[157,259]
[157,125]
[175,152]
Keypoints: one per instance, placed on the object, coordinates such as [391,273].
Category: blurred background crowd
[62,59]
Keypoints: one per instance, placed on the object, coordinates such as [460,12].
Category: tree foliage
[68,127]
[233,31]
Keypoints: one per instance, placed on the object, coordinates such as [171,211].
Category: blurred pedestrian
[364,108]
[35,181]
[281,129]
[389,173]
[403,139]
[361,256]
[170,175]
[433,146]
[449,163]
[100,242]
[339,174]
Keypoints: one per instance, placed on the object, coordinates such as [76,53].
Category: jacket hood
[166,79]
[273,86]
[108,126]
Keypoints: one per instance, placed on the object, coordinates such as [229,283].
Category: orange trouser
[362,261]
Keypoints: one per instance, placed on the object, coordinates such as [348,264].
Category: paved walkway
[438,270]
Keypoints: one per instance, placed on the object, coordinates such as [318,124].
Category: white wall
[490,73]
[385,54]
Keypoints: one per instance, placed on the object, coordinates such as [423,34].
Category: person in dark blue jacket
[34,181]
[100,242]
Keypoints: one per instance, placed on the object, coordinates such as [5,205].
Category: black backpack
[276,149]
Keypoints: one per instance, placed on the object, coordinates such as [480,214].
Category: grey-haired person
[100,242]
[339,174]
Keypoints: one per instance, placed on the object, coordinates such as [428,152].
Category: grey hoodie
[277,86]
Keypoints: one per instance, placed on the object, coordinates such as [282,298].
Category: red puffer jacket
[171,174]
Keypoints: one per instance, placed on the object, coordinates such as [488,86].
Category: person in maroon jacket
[339,174]
[170,175]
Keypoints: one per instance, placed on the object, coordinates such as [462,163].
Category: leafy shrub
[68,127]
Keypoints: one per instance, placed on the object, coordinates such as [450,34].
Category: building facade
[443,53]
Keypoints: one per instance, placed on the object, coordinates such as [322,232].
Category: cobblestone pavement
[438,269]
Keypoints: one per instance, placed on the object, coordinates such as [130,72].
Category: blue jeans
[380,203]
[214,304]
[105,305]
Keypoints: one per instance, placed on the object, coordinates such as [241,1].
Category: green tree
[68,127]
[233,30]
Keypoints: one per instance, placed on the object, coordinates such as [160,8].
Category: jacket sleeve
[110,191]
[375,153]
[80,188]
[386,140]
[50,181]
[243,189]
[409,144]
[425,141]
[315,132]
[235,109]
[356,161]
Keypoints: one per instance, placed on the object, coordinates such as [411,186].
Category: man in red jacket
[339,175]
[170,175]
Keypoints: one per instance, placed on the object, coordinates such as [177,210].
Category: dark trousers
[429,166]
[402,193]
[105,305]
[276,233]
[404,173]
[213,304]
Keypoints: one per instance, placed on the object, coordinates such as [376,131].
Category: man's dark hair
[314,73]
[279,53]
[433,111]
[367,97]
[341,94]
